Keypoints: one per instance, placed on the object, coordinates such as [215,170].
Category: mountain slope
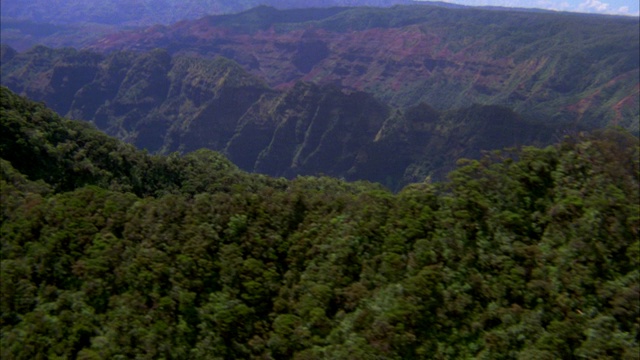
[183,103]
[150,12]
[67,155]
[27,23]
[551,67]
[126,94]
[529,258]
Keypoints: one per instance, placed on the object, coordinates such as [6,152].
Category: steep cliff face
[422,142]
[308,129]
[183,103]
[202,106]
[149,99]
[553,67]
[563,68]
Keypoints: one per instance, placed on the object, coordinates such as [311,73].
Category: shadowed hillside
[181,103]
[109,252]
[553,67]
[150,12]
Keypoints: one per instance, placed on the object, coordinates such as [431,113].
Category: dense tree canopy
[109,252]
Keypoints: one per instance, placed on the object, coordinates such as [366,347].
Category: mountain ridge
[182,103]
[147,12]
[238,83]
[110,252]
[543,65]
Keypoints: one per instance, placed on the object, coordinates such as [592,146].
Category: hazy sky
[618,7]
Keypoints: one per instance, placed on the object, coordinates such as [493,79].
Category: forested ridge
[552,67]
[110,252]
[181,103]
[334,91]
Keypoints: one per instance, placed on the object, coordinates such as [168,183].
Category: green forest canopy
[109,252]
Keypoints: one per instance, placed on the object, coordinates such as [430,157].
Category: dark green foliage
[69,154]
[183,103]
[107,252]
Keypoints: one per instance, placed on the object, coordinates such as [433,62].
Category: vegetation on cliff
[109,252]
[553,67]
[76,23]
[334,91]
[183,103]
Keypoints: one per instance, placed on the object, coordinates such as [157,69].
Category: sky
[617,7]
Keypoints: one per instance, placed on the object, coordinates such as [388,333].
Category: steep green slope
[311,129]
[553,67]
[184,103]
[513,259]
[149,99]
[68,154]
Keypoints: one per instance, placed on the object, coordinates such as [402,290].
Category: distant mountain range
[567,68]
[390,95]
[26,23]
[550,67]
[150,12]
[184,103]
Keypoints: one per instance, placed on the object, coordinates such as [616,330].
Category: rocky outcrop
[548,66]
[309,129]
[183,103]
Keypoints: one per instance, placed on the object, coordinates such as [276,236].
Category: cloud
[597,6]
[586,6]
[593,5]
[623,9]
[553,5]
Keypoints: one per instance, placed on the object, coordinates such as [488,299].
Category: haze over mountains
[146,244]
[611,7]
[150,12]
[183,103]
[556,67]
[75,23]
[343,87]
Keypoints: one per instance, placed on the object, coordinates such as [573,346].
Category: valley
[340,179]
[332,90]
[171,104]
[539,64]
[109,251]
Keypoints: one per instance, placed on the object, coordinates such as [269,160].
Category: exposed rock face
[183,103]
[306,130]
[550,67]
